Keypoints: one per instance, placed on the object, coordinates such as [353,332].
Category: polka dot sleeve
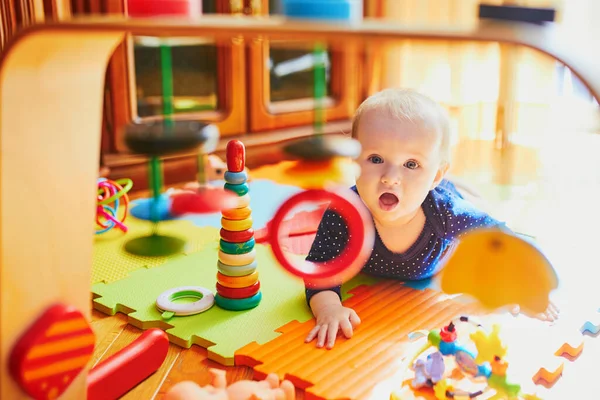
[459,215]
[330,240]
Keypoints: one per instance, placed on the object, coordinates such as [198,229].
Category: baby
[417,212]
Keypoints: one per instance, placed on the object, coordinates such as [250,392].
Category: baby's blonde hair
[409,105]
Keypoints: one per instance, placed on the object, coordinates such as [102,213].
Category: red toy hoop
[357,251]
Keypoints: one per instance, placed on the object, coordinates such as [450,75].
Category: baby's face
[400,163]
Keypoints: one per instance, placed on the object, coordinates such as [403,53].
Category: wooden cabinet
[258,91]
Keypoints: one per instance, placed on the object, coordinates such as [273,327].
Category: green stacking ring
[237,270]
[238,304]
[236,248]
[240,189]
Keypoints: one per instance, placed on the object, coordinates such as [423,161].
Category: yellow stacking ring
[237,213]
[236,225]
[237,259]
[237,282]
[243,201]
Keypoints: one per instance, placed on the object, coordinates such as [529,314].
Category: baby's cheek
[366,175]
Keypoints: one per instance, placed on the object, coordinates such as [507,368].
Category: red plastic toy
[150,8]
[56,348]
[357,251]
[125,369]
[53,352]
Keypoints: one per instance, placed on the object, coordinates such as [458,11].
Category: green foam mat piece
[112,263]
[222,332]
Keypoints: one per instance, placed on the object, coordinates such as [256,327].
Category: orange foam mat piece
[354,367]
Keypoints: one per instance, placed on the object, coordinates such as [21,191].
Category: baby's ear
[441,173]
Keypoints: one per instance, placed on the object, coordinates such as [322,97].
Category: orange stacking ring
[236,236]
[237,213]
[236,225]
[237,282]
[240,293]
[237,259]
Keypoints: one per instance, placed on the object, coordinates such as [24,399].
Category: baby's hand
[330,319]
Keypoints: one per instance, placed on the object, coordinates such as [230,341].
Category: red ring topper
[356,253]
[235,155]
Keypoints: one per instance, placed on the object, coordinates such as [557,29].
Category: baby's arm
[325,303]
[331,316]
[458,215]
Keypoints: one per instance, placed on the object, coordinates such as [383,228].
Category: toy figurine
[487,362]
[269,389]
[430,372]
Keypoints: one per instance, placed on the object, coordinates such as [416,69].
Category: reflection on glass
[194,65]
[291,73]
[194,76]
[291,70]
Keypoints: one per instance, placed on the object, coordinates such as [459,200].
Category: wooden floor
[550,192]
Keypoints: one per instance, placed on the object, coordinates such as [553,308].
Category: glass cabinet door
[189,78]
[194,76]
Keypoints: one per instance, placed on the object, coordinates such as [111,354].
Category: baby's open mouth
[388,201]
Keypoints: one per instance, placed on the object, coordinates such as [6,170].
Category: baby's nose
[391,179]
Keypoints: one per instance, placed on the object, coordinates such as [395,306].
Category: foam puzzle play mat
[217,268]
[414,341]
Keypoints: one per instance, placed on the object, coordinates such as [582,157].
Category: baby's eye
[411,164]
[375,159]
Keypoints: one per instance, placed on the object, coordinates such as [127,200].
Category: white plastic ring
[164,302]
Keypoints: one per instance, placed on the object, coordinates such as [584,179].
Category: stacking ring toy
[238,304]
[240,189]
[243,201]
[239,293]
[236,237]
[237,213]
[356,253]
[236,178]
[236,225]
[165,303]
[237,270]
[236,248]
[237,282]
[237,259]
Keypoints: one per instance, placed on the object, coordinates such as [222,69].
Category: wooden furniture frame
[55,72]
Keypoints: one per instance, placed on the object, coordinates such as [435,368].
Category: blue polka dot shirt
[447,214]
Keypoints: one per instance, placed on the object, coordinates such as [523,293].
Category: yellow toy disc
[500,269]
[237,259]
[318,174]
[236,225]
